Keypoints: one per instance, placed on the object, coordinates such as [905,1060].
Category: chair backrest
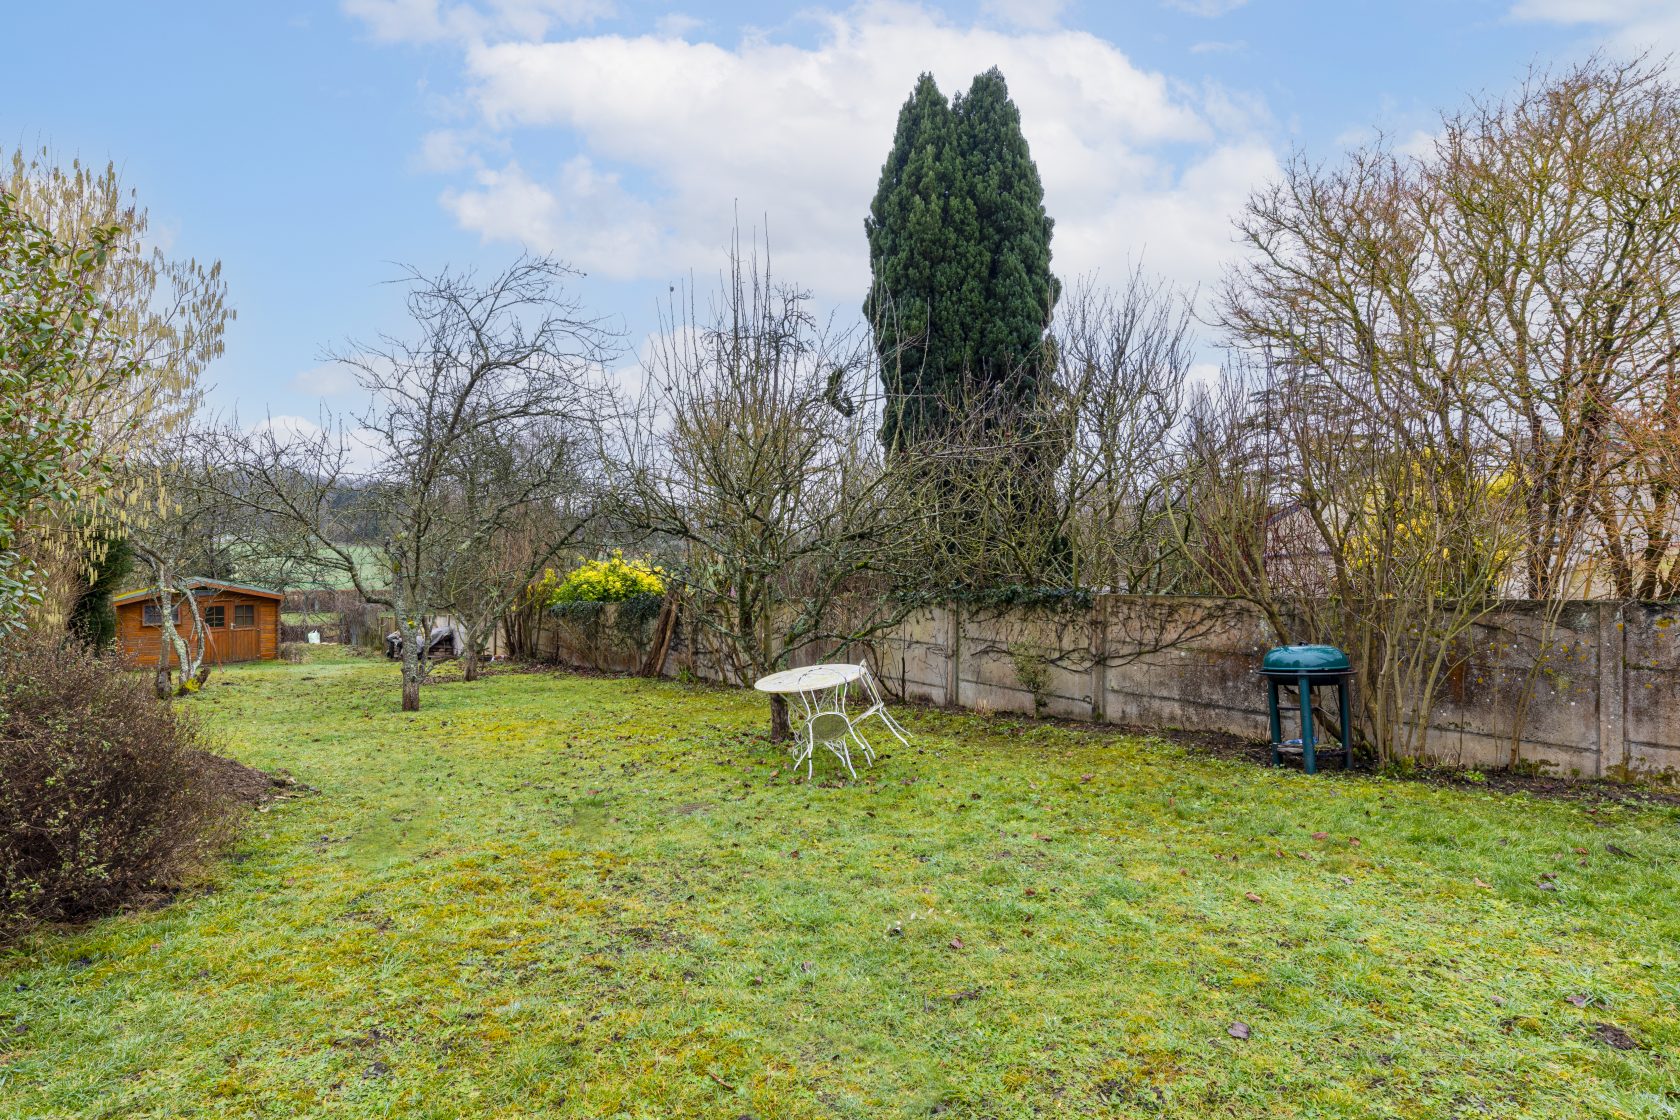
[826,727]
[870,688]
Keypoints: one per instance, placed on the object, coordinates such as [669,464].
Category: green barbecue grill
[1308,667]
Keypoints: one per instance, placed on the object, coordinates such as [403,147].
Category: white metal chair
[877,708]
[830,729]
[826,721]
[822,692]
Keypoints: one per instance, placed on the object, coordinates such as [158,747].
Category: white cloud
[1219,46]
[432,20]
[1633,26]
[677,25]
[1419,145]
[328,380]
[1035,15]
[446,149]
[361,446]
[1588,11]
[1182,229]
[1207,9]
[287,428]
[583,215]
[677,137]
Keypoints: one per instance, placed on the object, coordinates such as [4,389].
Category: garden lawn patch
[547,895]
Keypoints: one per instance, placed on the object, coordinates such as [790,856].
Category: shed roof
[196,583]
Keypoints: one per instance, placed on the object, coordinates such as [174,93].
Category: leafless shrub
[104,790]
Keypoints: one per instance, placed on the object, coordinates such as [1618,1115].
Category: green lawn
[581,897]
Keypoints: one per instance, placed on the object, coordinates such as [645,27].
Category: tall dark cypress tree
[915,248]
[1006,339]
[959,251]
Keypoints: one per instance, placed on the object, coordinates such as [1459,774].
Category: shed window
[150,615]
[244,614]
[215,616]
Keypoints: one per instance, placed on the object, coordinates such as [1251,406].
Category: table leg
[1309,761]
[1277,721]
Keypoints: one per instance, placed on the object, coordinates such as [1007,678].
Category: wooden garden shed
[240,623]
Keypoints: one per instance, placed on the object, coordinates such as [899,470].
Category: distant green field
[264,571]
[367,560]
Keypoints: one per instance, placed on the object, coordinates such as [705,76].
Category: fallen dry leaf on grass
[1252,897]
[1484,886]
[1237,1030]
[957,943]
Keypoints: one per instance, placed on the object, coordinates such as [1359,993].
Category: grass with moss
[582,897]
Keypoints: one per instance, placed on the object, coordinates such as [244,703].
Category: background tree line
[1450,380]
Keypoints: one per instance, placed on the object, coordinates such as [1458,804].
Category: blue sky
[310,145]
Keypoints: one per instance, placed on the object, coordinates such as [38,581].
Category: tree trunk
[469,660]
[198,649]
[413,664]
[781,728]
[172,642]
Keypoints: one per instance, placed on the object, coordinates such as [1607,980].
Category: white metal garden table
[822,691]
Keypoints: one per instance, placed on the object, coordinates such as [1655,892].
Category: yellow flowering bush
[612,580]
[1405,525]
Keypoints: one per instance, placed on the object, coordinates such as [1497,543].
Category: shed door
[240,639]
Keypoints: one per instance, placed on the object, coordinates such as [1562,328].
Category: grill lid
[1292,661]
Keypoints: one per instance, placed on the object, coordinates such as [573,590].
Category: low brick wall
[1595,700]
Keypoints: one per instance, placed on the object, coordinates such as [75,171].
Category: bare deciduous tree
[194,526]
[1481,333]
[1071,493]
[751,455]
[512,504]
[470,429]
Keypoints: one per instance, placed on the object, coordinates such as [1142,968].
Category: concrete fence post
[1099,659]
[953,655]
[1612,688]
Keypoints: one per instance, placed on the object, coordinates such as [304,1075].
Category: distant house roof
[198,582]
